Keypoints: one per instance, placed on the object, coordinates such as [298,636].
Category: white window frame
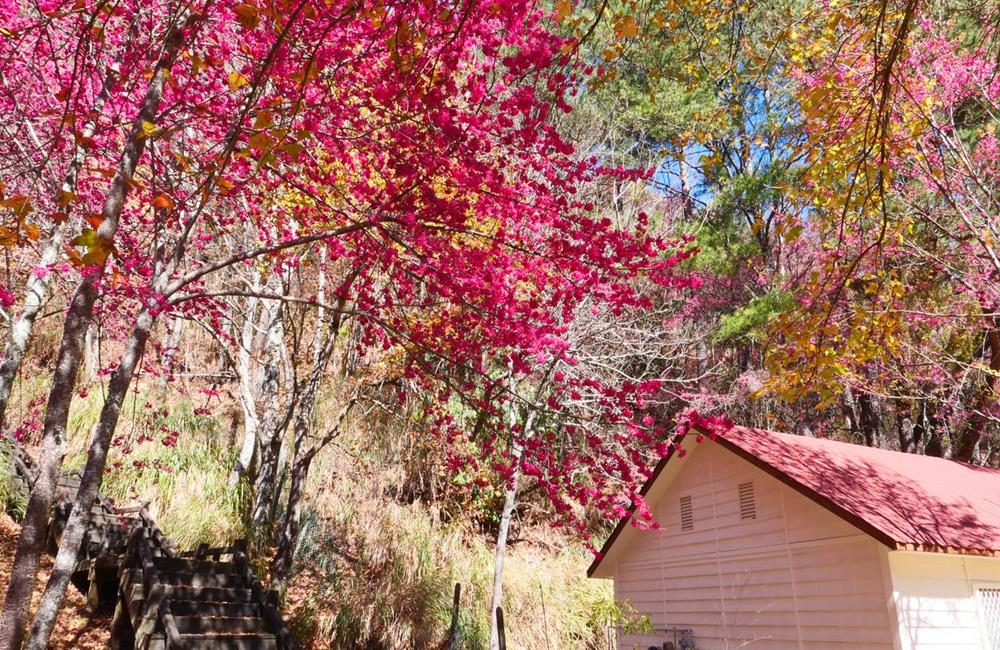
[981,618]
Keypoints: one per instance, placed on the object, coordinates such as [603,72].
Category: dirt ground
[77,628]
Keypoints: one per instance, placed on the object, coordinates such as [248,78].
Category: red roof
[906,501]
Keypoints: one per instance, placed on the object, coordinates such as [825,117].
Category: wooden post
[453,630]
[501,634]
[93,598]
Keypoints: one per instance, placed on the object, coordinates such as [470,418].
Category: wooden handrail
[263,599]
[146,543]
[24,464]
[205,552]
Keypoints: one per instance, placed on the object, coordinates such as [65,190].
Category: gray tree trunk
[251,421]
[281,566]
[175,330]
[323,351]
[288,535]
[271,428]
[506,513]
[31,543]
[509,502]
[687,203]
[79,518]
[966,444]
[92,353]
[906,428]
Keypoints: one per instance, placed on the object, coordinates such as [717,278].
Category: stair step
[180,565]
[183,592]
[227,580]
[213,608]
[229,641]
[202,624]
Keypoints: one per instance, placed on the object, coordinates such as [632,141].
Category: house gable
[712,480]
[670,466]
[734,576]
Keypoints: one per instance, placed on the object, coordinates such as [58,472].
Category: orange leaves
[247,15]
[94,220]
[264,120]
[65,197]
[162,202]
[563,10]
[20,205]
[405,45]
[626,27]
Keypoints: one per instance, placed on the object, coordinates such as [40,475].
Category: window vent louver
[748,502]
[687,514]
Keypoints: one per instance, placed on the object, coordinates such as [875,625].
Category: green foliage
[723,250]
[749,321]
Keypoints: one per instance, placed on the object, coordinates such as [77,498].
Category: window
[748,502]
[687,514]
[989,610]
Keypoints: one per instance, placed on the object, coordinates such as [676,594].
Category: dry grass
[380,574]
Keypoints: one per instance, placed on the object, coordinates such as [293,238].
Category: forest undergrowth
[375,567]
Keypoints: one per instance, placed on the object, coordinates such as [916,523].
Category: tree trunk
[280,474]
[281,567]
[323,350]
[509,501]
[849,410]
[92,353]
[79,518]
[251,422]
[868,419]
[175,330]
[964,448]
[907,433]
[928,431]
[272,422]
[37,288]
[31,543]
[687,202]
[506,513]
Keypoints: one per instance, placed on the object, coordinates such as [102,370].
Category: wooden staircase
[208,598]
[162,599]
[103,544]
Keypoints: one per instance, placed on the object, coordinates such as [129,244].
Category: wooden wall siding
[935,599]
[796,577]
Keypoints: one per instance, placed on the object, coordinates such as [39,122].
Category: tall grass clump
[374,579]
[375,573]
[177,463]
[13,492]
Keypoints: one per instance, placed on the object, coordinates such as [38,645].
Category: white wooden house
[771,540]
